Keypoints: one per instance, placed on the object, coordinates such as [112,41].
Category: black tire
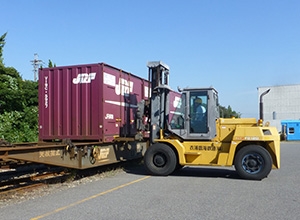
[160,160]
[253,162]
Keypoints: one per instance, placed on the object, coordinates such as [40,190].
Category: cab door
[202,106]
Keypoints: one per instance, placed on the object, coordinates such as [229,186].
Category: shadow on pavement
[205,172]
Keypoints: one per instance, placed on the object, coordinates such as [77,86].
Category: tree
[19,126]
[228,112]
[2,43]
[30,91]
[50,64]
[18,107]
[18,104]
[11,93]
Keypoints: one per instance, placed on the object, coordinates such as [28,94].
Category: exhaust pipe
[261,106]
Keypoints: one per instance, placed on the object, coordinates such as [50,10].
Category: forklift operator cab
[196,116]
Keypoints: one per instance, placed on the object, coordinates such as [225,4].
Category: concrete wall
[281,103]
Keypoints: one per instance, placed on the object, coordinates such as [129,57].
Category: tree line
[18,104]
[228,112]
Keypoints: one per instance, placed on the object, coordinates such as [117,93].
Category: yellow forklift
[195,135]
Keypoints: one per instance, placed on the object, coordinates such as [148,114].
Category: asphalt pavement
[191,193]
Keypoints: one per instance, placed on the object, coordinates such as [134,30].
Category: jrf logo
[84,78]
[125,87]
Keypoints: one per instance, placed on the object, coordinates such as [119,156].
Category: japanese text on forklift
[192,138]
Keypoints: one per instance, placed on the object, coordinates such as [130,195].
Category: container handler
[195,135]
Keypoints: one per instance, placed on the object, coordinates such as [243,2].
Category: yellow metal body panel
[231,134]
[193,152]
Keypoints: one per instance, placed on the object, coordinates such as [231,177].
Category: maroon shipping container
[92,102]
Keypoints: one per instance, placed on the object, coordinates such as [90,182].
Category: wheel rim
[159,160]
[253,163]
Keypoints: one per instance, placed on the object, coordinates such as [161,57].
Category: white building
[281,103]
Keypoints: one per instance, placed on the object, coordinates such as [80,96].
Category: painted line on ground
[89,198]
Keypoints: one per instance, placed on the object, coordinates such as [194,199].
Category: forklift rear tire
[160,160]
[253,162]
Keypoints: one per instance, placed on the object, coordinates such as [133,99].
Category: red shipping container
[93,102]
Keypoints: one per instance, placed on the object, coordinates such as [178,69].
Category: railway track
[17,183]
[16,180]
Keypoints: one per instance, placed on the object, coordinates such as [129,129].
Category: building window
[274,115]
[291,130]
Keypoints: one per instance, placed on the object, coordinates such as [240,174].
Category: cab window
[177,118]
[198,112]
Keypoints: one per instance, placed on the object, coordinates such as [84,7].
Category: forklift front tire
[160,160]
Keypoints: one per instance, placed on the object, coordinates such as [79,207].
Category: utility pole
[36,62]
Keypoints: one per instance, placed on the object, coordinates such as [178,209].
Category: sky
[234,46]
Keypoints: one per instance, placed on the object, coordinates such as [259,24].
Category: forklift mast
[158,75]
